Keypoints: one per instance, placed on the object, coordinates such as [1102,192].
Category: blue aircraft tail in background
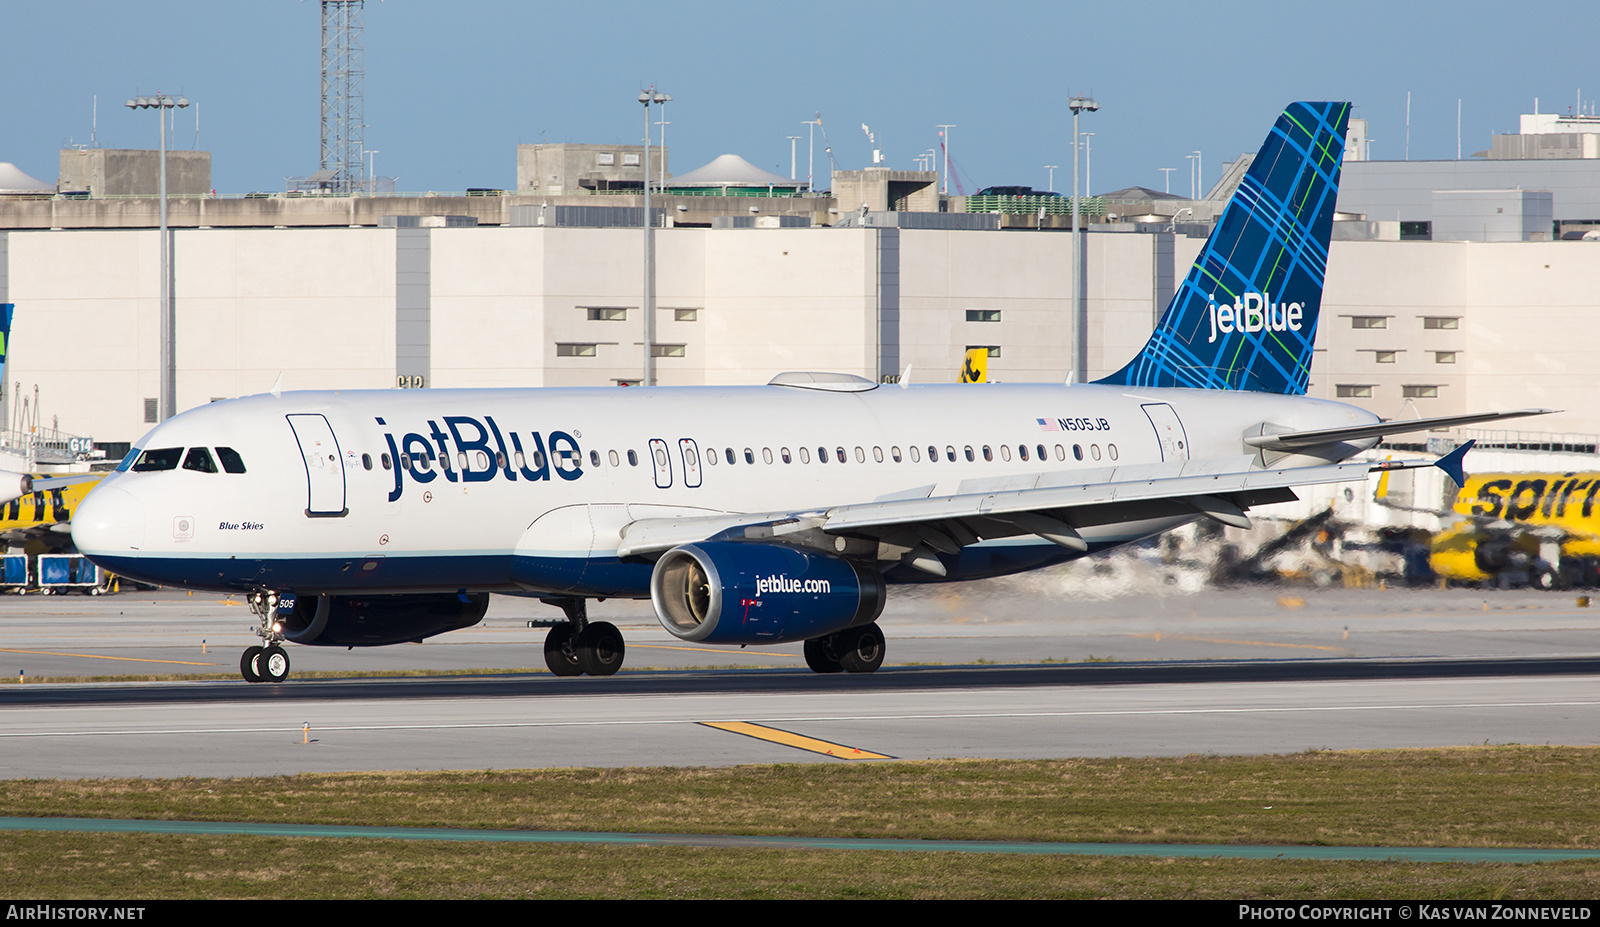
[1246,315]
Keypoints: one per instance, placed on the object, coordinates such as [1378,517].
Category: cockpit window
[231,461]
[199,459]
[128,459]
[158,458]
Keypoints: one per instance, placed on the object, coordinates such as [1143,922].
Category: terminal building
[1452,286]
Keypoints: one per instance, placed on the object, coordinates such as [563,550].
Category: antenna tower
[342,108]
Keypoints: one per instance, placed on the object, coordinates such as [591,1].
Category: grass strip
[1502,796]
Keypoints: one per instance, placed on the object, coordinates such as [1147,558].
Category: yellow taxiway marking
[797,741]
[1223,640]
[96,656]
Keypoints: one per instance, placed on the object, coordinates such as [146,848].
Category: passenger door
[325,489]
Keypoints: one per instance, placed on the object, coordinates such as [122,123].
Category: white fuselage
[540,482]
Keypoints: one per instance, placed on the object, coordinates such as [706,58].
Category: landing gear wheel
[558,655]
[821,656]
[600,649]
[860,649]
[273,664]
[249,662]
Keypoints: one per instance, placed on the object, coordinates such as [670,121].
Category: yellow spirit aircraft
[1540,529]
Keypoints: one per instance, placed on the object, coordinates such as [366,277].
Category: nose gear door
[325,489]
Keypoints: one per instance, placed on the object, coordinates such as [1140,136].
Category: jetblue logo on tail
[1245,317]
[1253,314]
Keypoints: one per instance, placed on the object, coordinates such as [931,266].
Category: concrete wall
[328,308]
[134,172]
[556,169]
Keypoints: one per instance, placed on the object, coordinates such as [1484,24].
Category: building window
[1419,392]
[983,315]
[1444,357]
[607,159]
[1353,391]
[630,159]
[607,313]
[992,349]
[1369,321]
[564,349]
[152,410]
[626,381]
[666,350]
[685,315]
[1383,357]
[1441,322]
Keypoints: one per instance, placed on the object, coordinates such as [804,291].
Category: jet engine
[14,486]
[376,620]
[721,592]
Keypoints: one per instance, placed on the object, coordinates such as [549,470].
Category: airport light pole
[168,403]
[1052,182]
[648,303]
[1080,326]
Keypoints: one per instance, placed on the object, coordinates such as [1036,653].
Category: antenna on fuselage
[277,386]
[905,377]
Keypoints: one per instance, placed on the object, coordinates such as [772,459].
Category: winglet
[1451,463]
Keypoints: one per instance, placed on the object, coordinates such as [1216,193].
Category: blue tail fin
[1246,316]
[5,337]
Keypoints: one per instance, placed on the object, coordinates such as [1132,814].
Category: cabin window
[1061,453]
[1112,450]
[1022,451]
[633,459]
[950,452]
[1045,456]
[988,455]
[615,461]
[516,458]
[933,454]
[749,456]
[785,454]
[199,459]
[461,461]
[594,458]
[423,462]
[366,461]
[822,455]
[970,456]
[916,455]
[861,456]
[538,460]
[711,456]
[766,454]
[382,458]
[1005,452]
[500,459]
[805,455]
[729,454]
[894,452]
[877,454]
[1094,451]
[1077,451]
[233,463]
[161,458]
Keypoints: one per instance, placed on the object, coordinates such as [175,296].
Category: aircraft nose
[109,521]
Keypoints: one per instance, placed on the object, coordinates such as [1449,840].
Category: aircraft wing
[918,523]
[1292,440]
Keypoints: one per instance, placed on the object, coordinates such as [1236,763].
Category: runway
[1242,672]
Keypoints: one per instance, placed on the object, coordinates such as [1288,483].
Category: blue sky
[452,88]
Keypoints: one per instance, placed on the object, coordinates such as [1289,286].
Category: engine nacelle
[721,592]
[376,620]
[14,486]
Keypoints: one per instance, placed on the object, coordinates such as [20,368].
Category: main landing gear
[269,663]
[581,646]
[853,650]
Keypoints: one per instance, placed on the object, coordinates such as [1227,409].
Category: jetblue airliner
[753,515]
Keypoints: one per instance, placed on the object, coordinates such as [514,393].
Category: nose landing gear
[269,663]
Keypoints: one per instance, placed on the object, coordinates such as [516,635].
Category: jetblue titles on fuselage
[557,452]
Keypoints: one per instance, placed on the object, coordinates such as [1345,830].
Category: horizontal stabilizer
[1292,440]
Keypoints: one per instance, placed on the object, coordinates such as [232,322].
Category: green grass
[1507,796]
